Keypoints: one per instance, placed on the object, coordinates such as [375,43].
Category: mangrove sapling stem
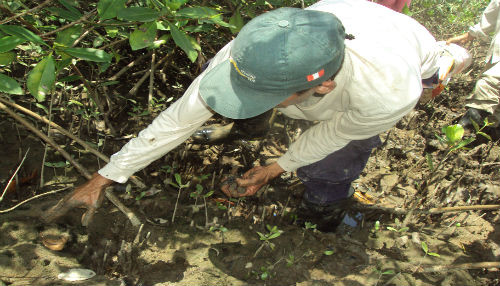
[13,175]
[42,168]
[176,203]
[134,89]
[32,198]
[129,66]
[151,81]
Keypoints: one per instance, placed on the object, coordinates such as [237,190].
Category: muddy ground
[215,241]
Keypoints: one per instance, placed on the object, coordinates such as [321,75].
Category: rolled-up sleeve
[488,21]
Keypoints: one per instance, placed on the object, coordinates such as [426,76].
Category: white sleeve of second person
[170,129]
[488,21]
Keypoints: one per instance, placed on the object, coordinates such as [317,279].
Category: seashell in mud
[54,242]
[76,274]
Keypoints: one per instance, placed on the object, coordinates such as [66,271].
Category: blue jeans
[329,180]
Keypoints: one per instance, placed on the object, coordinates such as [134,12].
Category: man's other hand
[254,179]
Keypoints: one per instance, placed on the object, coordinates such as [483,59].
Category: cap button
[283,23]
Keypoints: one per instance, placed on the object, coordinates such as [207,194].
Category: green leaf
[143,37]
[59,164]
[108,9]
[428,157]
[42,107]
[484,135]
[22,32]
[174,5]
[203,14]
[89,54]
[391,228]
[178,178]
[71,7]
[68,36]
[434,254]
[328,252]
[184,42]
[237,21]
[424,247]
[388,272]
[7,58]
[454,133]
[9,43]
[9,85]
[141,14]
[209,194]
[403,229]
[42,78]
[462,144]
[274,235]
[63,13]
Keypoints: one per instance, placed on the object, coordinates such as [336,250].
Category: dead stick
[463,266]
[82,19]
[130,215]
[47,2]
[430,211]
[151,81]
[79,167]
[32,198]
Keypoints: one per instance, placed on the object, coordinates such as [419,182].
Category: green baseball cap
[274,55]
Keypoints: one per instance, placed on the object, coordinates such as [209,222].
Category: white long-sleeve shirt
[379,82]
[489,23]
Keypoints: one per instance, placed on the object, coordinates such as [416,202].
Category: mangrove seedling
[179,185]
[266,238]
[220,229]
[425,248]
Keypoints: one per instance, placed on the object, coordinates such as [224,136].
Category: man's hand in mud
[88,196]
[251,181]
[461,39]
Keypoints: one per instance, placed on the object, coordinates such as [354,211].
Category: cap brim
[233,100]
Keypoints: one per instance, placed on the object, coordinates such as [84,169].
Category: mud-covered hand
[254,179]
[461,39]
[88,196]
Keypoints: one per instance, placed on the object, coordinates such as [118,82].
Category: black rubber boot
[251,128]
[326,218]
[473,114]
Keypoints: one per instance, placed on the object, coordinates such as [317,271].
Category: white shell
[76,274]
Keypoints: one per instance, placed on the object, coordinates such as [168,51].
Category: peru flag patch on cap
[316,75]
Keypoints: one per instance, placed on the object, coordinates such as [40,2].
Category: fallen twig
[13,175]
[128,213]
[463,266]
[402,211]
[32,198]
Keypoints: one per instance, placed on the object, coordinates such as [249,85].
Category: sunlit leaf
[42,78]
[68,36]
[454,133]
[203,14]
[107,9]
[7,58]
[328,252]
[424,247]
[174,5]
[9,43]
[63,13]
[143,37]
[9,85]
[184,42]
[22,32]
[141,14]
[237,21]
[89,54]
